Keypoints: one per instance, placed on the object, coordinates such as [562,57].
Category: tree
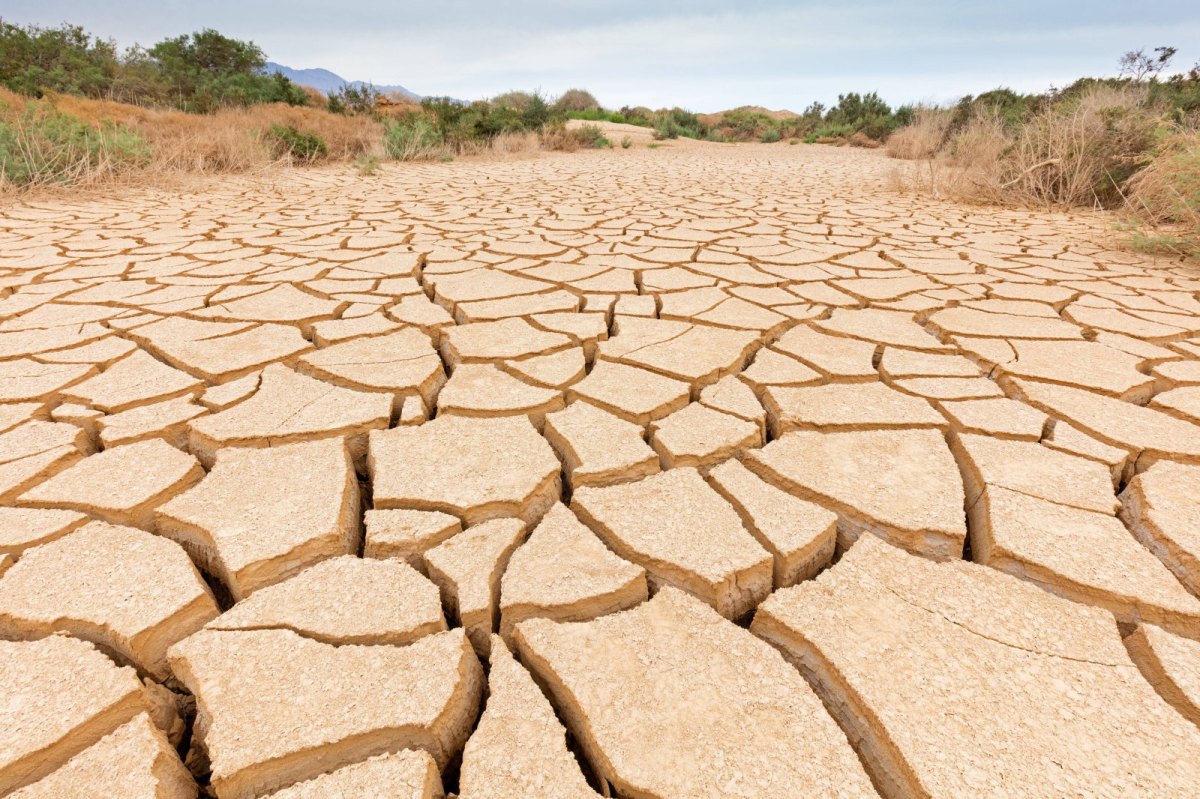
[64,59]
[360,99]
[853,108]
[536,112]
[1139,66]
[576,100]
[204,71]
[516,100]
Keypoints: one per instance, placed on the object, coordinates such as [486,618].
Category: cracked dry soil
[708,471]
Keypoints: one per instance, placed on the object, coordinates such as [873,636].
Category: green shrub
[665,127]
[589,115]
[671,123]
[464,127]
[635,115]
[366,165]
[411,138]
[626,142]
[536,113]
[576,100]
[44,148]
[832,132]
[592,137]
[746,124]
[517,100]
[363,99]
[770,136]
[287,142]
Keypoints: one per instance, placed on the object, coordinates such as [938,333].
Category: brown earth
[701,471]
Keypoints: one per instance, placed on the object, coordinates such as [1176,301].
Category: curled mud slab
[700,471]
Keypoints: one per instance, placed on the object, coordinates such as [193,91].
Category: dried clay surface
[691,471]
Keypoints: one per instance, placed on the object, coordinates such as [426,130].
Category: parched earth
[705,471]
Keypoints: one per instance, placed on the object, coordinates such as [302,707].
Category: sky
[703,55]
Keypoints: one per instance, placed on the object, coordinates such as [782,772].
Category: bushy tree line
[197,72]
[854,113]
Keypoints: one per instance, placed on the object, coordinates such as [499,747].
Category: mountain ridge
[326,81]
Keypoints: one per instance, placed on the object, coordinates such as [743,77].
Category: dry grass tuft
[923,138]
[1163,199]
[70,140]
[515,143]
[231,139]
[860,139]
[1074,152]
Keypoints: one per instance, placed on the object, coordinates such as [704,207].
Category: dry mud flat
[692,472]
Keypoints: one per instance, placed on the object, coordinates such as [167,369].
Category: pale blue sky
[705,55]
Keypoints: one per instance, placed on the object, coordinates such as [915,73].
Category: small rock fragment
[468,567]
[407,534]
[1161,506]
[134,761]
[519,748]
[408,774]
[598,448]
[676,527]
[563,572]
[275,709]
[263,514]
[1172,666]
[122,485]
[800,536]
[344,600]
[477,469]
[92,584]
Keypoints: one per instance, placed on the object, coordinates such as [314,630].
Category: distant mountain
[326,81]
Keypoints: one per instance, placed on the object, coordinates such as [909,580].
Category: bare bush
[1080,151]
[924,137]
[1076,151]
[1163,199]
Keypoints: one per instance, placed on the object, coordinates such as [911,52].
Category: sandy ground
[690,471]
